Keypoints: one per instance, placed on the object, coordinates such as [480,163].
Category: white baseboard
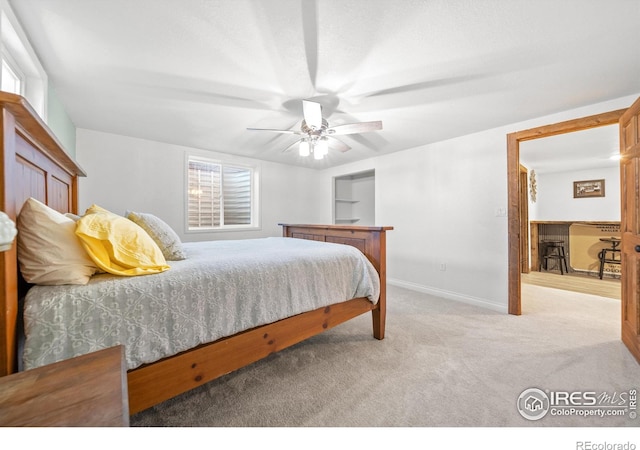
[449,295]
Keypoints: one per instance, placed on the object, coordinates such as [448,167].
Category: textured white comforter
[222,288]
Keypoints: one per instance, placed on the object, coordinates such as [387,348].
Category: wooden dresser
[89,390]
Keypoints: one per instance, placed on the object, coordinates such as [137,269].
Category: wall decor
[533,186]
[588,188]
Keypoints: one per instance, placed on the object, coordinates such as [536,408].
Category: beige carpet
[442,364]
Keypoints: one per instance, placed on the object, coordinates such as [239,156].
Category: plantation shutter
[237,196]
[204,194]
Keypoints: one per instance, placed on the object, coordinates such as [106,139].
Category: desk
[609,255]
[89,390]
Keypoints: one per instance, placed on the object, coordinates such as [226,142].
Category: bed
[35,165]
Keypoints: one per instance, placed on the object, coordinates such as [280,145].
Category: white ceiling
[580,150]
[199,72]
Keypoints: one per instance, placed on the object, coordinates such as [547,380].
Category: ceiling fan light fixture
[304,148]
[320,148]
[314,132]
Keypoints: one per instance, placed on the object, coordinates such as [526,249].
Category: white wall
[441,200]
[125,173]
[60,122]
[555,200]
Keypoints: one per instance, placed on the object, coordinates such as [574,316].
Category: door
[630,226]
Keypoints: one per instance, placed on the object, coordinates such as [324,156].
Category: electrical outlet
[443,266]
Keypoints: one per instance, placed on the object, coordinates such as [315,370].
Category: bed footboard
[372,241]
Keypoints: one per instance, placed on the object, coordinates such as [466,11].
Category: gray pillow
[163,235]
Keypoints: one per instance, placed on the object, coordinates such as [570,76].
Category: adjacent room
[183,176]
[573,231]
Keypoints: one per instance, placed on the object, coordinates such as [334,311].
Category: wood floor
[587,284]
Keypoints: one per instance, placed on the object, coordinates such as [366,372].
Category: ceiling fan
[317,136]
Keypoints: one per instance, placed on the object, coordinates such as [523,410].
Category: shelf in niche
[353,198]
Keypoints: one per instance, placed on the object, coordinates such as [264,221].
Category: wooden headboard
[34,164]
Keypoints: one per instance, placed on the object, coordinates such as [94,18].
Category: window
[11,81]
[221,196]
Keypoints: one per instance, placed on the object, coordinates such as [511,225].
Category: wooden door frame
[524,219]
[513,181]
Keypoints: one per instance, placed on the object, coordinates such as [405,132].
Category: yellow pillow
[117,245]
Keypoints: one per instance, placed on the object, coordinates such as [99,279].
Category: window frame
[254,199]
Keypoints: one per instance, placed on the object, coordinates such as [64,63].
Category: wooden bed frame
[35,164]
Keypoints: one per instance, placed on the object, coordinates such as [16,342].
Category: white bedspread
[222,288]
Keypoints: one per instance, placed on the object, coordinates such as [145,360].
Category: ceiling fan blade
[275,130]
[371,141]
[312,112]
[335,144]
[354,128]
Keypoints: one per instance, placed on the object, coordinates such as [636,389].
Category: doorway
[514,191]
[556,213]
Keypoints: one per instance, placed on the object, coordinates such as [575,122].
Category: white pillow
[49,252]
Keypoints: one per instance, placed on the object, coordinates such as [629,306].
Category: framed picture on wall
[588,188]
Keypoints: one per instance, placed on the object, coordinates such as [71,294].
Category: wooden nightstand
[90,390]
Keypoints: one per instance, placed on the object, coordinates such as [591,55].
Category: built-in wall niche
[354,198]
